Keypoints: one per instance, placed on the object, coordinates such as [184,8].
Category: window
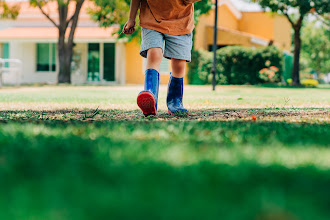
[4,52]
[93,62]
[46,57]
[109,62]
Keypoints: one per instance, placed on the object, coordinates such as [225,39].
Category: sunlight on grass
[195,97]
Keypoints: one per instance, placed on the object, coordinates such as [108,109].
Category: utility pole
[215,46]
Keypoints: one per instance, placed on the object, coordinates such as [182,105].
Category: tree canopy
[202,7]
[302,6]
[66,22]
[315,49]
[8,11]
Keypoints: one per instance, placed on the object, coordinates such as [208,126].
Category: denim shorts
[173,46]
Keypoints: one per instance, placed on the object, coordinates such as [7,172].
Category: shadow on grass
[132,115]
[162,131]
[260,127]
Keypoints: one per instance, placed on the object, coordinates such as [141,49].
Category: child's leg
[147,99]
[178,68]
[151,48]
[154,58]
[178,48]
[175,88]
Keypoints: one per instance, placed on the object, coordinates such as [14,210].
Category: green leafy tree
[315,50]
[300,9]
[65,23]
[111,12]
[202,7]
[7,11]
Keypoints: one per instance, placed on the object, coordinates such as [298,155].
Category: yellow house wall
[265,25]
[225,19]
[229,38]
[134,66]
[282,32]
[270,26]
[257,23]
[200,34]
[134,74]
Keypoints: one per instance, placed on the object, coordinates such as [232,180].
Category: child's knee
[155,54]
[178,65]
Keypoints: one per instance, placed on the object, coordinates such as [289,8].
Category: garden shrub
[200,67]
[309,82]
[235,65]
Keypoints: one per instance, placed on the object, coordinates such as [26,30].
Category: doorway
[101,68]
[109,62]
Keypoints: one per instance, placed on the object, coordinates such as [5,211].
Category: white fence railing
[13,66]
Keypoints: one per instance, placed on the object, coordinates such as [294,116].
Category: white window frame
[50,58]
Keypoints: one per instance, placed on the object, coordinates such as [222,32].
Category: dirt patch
[290,115]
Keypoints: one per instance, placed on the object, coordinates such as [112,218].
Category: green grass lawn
[88,153]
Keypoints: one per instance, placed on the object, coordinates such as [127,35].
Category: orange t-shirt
[172,17]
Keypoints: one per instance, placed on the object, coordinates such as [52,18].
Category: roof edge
[237,13]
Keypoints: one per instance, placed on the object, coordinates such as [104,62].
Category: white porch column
[120,60]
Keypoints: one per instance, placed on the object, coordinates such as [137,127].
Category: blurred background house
[99,57]
[245,24]
[32,38]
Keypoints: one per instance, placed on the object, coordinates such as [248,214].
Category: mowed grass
[196,97]
[87,153]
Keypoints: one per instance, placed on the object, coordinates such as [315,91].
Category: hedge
[236,65]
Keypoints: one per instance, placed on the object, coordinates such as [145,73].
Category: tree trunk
[64,75]
[64,57]
[297,48]
[65,48]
